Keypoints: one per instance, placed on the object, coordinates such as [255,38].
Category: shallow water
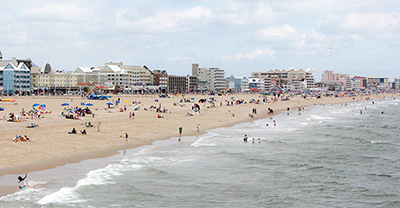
[329,156]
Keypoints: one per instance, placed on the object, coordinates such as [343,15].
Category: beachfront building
[329,76]
[288,79]
[396,84]
[359,82]
[257,84]
[330,86]
[237,84]
[378,83]
[212,79]
[114,74]
[192,83]
[182,84]
[15,76]
[53,80]
[160,79]
[177,84]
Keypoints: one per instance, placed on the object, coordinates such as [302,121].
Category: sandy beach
[50,144]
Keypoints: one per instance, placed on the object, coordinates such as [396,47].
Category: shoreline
[104,152]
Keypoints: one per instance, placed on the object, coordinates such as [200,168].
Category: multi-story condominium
[53,80]
[192,83]
[288,79]
[15,76]
[177,84]
[378,82]
[115,74]
[396,83]
[238,84]
[257,84]
[212,79]
[329,76]
[160,78]
[361,81]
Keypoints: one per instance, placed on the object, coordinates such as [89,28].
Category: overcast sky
[347,36]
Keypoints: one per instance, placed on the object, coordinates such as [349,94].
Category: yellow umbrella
[126,101]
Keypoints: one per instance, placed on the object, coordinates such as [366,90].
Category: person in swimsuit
[22,180]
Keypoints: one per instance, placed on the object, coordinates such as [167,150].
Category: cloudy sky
[347,36]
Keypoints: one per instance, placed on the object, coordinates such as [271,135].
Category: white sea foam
[65,195]
[103,176]
[317,117]
[23,195]
[201,143]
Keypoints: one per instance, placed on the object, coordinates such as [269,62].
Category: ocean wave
[103,176]
[65,195]
[22,195]
[201,143]
[316,117]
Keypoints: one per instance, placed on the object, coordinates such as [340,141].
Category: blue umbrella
[35,105]
[64,104]
[109,103]
[89,104]
[1,109]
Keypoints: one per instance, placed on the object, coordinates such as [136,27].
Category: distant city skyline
[348,37]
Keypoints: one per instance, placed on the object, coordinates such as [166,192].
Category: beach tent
[64,104]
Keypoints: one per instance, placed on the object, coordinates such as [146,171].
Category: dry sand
[52,146]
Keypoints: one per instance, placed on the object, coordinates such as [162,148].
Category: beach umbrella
[39,107]
[89,104]
[1,109]
[35,105]
[64,104]
[126,101]
[109,103]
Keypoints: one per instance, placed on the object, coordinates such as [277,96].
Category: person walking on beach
[198,127]
[126,137]
[180,133]
[98,126]
[23,185]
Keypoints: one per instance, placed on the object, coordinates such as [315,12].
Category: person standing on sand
[180,133]
[198,127]
[98,126]
[126,137]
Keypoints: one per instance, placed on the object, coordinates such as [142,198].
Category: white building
[237,84]
[212,79]
[115,74]
[257,83]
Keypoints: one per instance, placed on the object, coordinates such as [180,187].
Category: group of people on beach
[73,131]
[21,138]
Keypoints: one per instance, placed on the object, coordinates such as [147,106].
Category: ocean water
[326,156]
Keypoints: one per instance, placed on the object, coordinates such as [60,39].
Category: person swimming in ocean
[23,185]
